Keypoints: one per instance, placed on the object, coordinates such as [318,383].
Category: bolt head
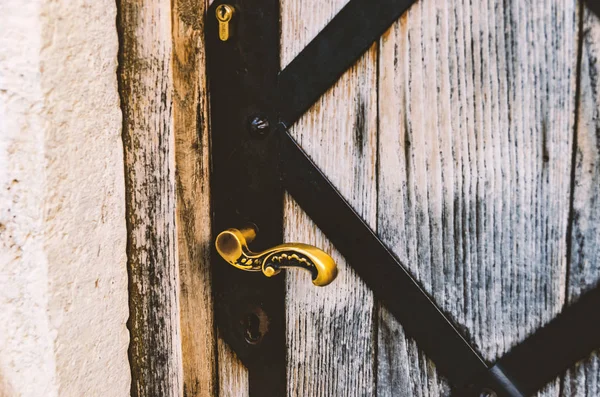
[259,125]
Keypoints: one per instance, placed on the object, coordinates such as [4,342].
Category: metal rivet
[259,125]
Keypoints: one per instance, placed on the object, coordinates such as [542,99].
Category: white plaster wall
[63,276]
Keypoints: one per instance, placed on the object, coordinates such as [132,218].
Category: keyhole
[224,13]
[252,327]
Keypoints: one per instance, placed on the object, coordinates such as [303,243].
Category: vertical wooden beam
[145,85]
[584,270]
[190,128]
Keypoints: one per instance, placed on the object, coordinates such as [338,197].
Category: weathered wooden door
[466,137]
[453,137]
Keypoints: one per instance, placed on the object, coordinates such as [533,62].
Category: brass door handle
[232,245]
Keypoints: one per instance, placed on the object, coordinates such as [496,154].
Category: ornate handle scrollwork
[232,245]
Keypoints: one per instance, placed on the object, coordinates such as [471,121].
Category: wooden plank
[233,375]
[330,331]
[190,117]
[145,85]
[584,270]
[476,104]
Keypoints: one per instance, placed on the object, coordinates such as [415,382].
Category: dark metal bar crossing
[378,267]
[339,45]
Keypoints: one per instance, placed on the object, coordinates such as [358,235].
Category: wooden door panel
[476,126]
[454,137]
[473,167]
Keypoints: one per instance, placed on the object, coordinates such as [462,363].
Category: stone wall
[63,275]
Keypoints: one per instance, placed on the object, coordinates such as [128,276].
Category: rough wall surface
[63,275]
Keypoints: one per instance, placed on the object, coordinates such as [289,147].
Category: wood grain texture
[190,128]
[233,375]
[330,331]
[584,270]
[476,118]
[468,181]
[145,85]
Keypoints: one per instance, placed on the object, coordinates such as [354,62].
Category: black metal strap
[377,266]
[594,5]
[553,349]
[339,45]
[245,188]
[524,370]
[349,34]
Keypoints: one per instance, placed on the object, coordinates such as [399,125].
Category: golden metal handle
[232,245]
